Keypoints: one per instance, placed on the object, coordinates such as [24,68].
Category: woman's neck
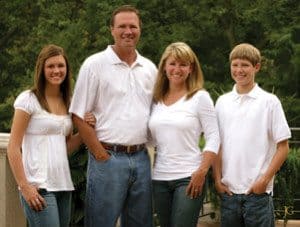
[52,91]
[177,90]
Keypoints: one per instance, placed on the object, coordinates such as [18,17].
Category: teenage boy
[254,144]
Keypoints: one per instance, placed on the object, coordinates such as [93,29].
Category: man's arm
[89,137]
[280,156]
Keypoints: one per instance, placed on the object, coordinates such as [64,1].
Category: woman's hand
[194,189]
[32,197]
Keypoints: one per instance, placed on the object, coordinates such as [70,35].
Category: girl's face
[177,71]
[55,70]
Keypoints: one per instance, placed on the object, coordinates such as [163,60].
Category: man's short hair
[125,8]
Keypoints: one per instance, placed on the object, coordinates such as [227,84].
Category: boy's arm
[217,174]
[280,156]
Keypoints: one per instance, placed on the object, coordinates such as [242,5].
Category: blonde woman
[181,112]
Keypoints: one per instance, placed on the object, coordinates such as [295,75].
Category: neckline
[174,103]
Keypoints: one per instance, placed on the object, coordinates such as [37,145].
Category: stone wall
[11,213]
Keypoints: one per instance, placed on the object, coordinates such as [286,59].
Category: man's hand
[101,156]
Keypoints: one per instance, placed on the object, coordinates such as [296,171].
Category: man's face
[126,30]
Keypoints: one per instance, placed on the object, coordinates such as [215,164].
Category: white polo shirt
[119,95]
[250,127]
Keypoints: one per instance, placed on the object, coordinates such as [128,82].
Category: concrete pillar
[11,213]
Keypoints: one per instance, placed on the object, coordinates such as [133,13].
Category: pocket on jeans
[259,199]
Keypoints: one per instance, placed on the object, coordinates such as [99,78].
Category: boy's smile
[243,73]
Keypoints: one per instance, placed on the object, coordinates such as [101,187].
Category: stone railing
[11,213]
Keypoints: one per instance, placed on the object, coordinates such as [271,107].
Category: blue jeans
[119,186]
[173,207]
[240,210]
[56,213]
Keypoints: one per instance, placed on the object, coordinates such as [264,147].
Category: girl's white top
[176,131]
[44,148]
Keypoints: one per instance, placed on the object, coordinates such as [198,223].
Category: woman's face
[177,71]
[55,70]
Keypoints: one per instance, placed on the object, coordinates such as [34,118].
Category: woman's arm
[198,177]
[29,192]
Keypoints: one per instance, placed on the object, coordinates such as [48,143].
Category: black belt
[123,148]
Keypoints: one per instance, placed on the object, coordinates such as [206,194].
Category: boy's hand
[90,118]
[222,188]
[259,186]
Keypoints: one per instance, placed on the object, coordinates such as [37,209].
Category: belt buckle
[128,149]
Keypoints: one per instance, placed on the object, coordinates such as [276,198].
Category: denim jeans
[240,210]
[56,213]
[119,186]
[173,207]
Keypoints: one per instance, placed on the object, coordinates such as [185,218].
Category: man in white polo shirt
[116,85]
[254,144]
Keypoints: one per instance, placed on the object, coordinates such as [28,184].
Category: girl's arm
[29,192]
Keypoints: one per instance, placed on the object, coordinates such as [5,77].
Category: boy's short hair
[245,51]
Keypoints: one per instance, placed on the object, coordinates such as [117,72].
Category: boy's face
[243,73]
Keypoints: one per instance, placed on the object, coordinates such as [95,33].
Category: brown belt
[123,148]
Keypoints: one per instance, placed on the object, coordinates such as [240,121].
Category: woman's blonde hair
[182,52]
[245,51]
[39,86]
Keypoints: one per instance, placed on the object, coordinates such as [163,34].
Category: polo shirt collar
[254,93]
[114,58]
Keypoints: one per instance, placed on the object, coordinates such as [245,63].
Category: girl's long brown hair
[38,89]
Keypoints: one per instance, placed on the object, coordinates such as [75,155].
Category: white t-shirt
[176,131]
[119,95]
[250,127]
[44,152]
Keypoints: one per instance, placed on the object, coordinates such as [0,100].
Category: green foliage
[78,165]
[210,27]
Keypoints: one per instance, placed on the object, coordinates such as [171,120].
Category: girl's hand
[33,198]
[90,118]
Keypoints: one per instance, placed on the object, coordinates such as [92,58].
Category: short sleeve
[26,101]
[85,92]
[280,128]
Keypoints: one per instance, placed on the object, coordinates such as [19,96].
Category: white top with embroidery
[44,150]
